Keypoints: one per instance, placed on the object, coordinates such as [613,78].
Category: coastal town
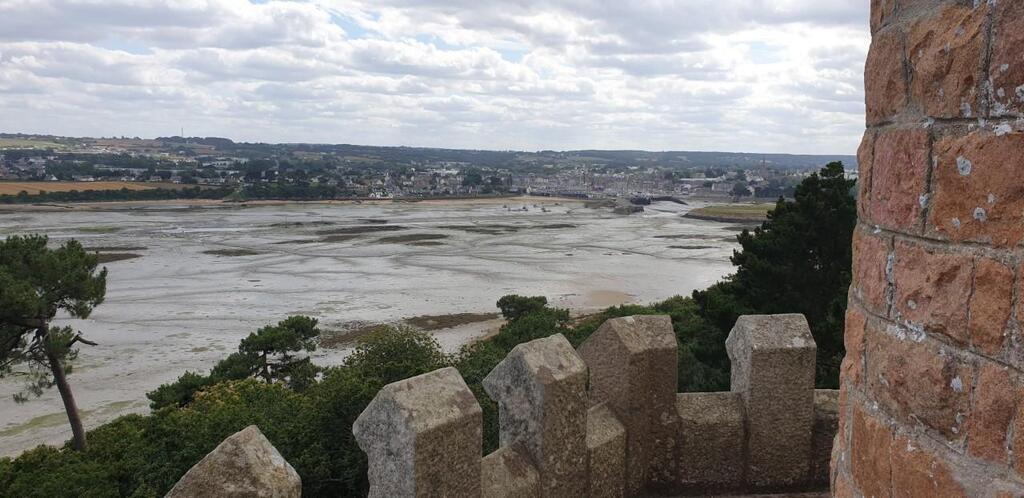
[400,172]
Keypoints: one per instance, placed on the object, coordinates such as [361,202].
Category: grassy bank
[733,213]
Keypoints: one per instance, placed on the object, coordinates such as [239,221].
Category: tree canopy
[269,353]
[798,261]
[35,283]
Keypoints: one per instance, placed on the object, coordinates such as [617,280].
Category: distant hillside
[398,155]
[719,159]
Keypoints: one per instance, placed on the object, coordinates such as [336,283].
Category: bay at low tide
[208,276]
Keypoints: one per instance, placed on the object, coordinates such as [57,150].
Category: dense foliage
[269,353]
[797,261]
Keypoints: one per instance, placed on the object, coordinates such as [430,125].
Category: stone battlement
[603,421]
[606,420]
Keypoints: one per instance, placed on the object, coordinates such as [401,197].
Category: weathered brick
[885,79]
[945,55]
[1006,69]
[881,13]
[865,158]
[995,401]
[869,454]
[990,305]
[920,472]
[840,450]
[852,370]
[898,178]
[917,380]
[932,289]
[977,192]
[842,487]
[1018,439]
[870,260]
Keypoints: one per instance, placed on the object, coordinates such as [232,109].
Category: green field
[738,211]
[21,143]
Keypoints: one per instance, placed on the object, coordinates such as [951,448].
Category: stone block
[917,380]
[919,472]
[990,305]
[995,404]
[882,12]
[826,424]
[606,453]
[508,473]
[711,441]
[852,368]
[870,446]
[633,368]
[870,270]
[1017,440]
[865,159]
[885,77]
[422,437]
[842,487]
[1006,69]
[946,58]
[541,391]
[977,192]
[773,365]
[933,289]
[899,178]
[245,465]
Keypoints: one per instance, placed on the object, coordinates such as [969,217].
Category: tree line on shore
[798,261]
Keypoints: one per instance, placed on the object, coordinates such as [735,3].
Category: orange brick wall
[933,381]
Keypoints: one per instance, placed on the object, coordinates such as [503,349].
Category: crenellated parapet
[603,421]
[606,420]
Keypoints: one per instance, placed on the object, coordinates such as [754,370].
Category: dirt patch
[111,257]
[357,230]
[411,238]
[33,188]
[438,322]
[231,252]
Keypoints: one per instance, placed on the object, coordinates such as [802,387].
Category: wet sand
[212,203]
[209,275]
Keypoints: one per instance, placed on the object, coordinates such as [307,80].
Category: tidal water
[208,276]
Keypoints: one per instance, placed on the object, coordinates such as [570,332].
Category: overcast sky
[730,75]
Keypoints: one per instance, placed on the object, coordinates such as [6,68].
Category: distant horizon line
[537,151]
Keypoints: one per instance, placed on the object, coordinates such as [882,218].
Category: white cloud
[752,75]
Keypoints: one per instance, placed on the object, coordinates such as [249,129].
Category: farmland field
[21,143]
[13,188]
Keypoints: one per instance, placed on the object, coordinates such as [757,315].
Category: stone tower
[932,382]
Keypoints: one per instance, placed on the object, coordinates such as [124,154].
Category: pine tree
[35,283]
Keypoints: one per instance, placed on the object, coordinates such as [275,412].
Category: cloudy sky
[732,75]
